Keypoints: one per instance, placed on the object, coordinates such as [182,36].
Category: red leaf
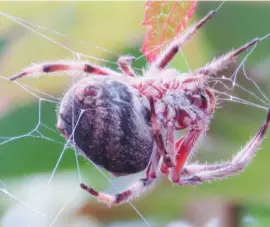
[164,20]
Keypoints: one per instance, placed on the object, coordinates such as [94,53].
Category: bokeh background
[103,31]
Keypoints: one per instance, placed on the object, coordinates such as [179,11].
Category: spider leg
[120,197]
[184,149]
[124,63]
[65,66]
[167,55]
[236,165]
[170,140]
[195,168]
[221,62]
[159,138]
[133,190]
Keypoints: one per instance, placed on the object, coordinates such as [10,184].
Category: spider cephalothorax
[126,123]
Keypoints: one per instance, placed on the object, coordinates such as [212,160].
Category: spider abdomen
[111,124]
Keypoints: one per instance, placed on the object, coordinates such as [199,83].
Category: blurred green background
[116,27]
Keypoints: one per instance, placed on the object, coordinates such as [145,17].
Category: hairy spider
[126,123]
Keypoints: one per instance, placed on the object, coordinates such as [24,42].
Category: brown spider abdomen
[111,125]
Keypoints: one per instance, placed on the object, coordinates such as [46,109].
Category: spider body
[114,130]
[126,123]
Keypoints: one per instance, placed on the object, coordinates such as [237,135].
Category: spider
[126,123]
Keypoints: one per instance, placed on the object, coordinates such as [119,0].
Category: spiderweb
[60,186]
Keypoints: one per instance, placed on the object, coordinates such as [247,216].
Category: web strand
[12,196]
